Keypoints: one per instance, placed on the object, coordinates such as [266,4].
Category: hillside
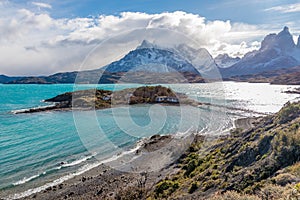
[262,161]
[258,162]
[6,79]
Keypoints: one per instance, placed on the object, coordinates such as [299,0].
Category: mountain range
[277,51]
[151,63]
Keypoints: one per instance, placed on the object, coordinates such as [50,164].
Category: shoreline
[107,174]
[103,178]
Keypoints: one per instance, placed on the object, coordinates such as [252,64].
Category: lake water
[40,149]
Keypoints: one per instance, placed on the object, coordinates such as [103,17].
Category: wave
[25,180]
[77,162]
[80,171]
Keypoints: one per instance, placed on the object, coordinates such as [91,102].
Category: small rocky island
[101,99]
[293,91]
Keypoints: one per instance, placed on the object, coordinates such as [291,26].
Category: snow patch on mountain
[298,42]
[154,58]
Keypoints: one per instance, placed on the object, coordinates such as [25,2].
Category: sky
[42,37]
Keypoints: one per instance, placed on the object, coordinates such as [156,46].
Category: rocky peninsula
[101,99]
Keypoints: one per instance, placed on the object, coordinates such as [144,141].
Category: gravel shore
[153,161]
[150,163]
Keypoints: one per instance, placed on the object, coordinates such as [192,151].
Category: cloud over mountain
[33,42]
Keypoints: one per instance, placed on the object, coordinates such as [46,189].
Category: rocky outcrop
[284,40]
[224,60]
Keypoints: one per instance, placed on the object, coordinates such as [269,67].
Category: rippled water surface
[39,148]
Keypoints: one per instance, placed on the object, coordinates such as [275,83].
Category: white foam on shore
[19,111]
[28,109]
[77,162]
[25,180]
[87,167]
[80,171]
[84,168]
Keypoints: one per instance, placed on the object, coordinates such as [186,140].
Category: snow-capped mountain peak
[154,58]
[150,57]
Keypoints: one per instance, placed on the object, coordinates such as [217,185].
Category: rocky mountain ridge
[277,51]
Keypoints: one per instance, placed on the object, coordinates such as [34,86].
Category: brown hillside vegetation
[258,163]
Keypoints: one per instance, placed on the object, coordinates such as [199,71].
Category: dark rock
[99,192]
[71,193]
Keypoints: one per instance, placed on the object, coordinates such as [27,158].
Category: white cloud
[36,43]
[288,8]
[206,33]
[42,5]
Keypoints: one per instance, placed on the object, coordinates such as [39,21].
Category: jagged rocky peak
[298,43]
[285,30]
[268,41]
[147,45]
[224,60]
[283,40]
[223,56]
[277,51]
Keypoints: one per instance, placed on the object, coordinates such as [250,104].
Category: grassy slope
[262,162]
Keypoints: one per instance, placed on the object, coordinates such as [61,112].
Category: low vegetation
[99,99]
[260,163]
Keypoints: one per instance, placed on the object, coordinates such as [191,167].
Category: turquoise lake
[39,148]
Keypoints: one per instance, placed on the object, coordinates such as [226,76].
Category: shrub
[191,166]
[166,187]
[193,187]
[288,112]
